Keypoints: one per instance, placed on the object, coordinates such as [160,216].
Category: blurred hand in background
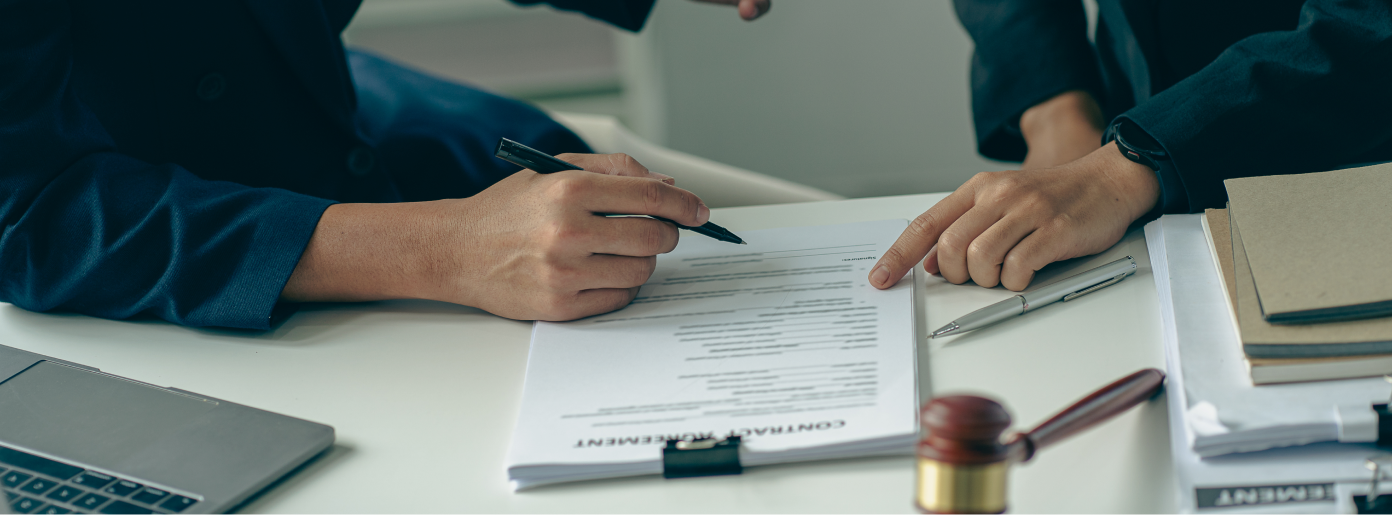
[748,9]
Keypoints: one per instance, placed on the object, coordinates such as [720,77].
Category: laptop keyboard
[34,484]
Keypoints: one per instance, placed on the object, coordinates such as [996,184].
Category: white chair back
[719,185]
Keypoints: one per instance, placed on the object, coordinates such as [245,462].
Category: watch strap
[1172,195]
[1139,147]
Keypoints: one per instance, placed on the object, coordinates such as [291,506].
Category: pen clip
[1094,287]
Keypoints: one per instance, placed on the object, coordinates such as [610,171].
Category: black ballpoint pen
[539,162]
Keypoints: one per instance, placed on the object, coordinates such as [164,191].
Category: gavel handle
[1110,401]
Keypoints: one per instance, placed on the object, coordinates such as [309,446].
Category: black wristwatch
[1135,144]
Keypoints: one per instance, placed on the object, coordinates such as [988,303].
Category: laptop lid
[162,449]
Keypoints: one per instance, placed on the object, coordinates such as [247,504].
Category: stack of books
[1306,263]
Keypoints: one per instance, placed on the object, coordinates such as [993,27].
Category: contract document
[782,342]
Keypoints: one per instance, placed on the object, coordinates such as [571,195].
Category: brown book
[1289,369]
[1319,245]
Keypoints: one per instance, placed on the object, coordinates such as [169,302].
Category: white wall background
[861,98]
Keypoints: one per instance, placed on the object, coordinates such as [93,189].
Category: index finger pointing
[921,235]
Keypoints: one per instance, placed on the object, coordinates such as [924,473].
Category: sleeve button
[211,86]
[361,161]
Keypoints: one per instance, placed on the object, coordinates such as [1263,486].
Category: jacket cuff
[253,300]
[1190,183]
[624,14]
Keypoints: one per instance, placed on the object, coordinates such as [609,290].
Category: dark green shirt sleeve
[1306,100]
[1027,51]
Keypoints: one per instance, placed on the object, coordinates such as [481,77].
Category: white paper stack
[1215,411]
[1225,411]
[782,342]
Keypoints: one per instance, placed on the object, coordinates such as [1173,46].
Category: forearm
[1027,51]
[1075,110]
[365,252]
[531,247]
[1135,186]
[1061,129]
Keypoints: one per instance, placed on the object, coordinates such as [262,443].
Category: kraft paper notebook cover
[1286,353]
[1319,245]
[1281,370]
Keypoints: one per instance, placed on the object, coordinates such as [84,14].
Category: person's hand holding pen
[531,247]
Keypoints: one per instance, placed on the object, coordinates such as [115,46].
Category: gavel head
[962,463]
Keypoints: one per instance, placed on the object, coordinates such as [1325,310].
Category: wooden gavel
[962,463]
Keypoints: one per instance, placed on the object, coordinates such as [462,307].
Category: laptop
[76,440]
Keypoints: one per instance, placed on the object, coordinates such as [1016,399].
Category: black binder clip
[704,457]
[1384,416]
[1380,504]
[1373,502]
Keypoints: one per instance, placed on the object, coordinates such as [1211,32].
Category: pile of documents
[1235,443]
[1307,267]
[1273,340]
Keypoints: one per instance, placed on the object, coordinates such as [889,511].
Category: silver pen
[1064,290]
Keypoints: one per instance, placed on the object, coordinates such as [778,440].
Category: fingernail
[879,275]
[702,214]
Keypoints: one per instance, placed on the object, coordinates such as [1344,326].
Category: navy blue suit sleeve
[1027,51]
[1296,101]
[625,14]
[90,230]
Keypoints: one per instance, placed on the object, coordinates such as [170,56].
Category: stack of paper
[782,342]
[1216,412]
[1226,412]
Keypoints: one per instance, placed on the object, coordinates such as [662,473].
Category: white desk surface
[424,396]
